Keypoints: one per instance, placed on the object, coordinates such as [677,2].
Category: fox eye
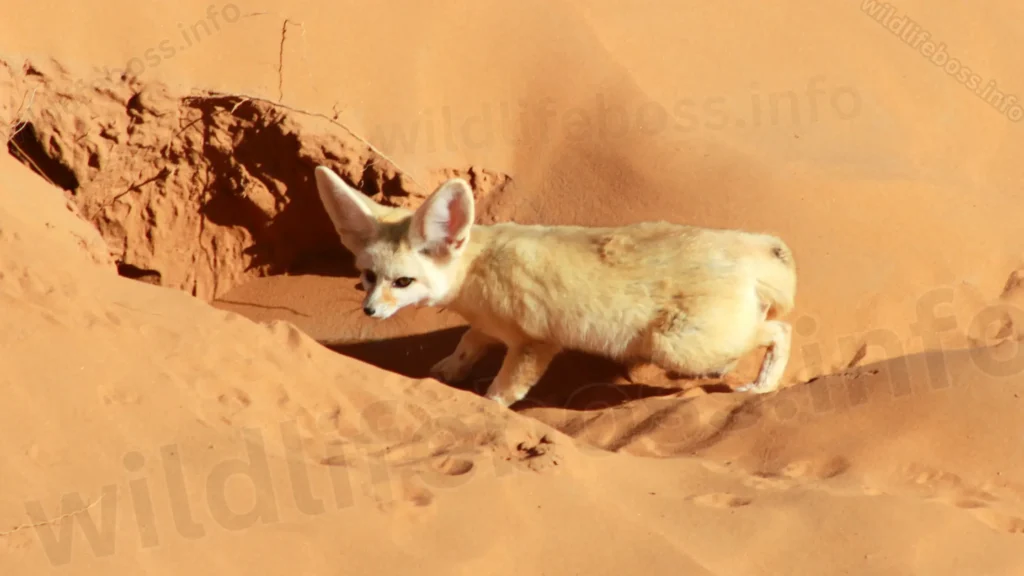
[402,282]
[370,276]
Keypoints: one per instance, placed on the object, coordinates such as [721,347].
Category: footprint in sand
[234,401]
[951,489]
[792,473]
[720,500]
[445,472]
[1014,286]
[872,490]
[407,499]
[417,496]
[537,456]
[120,396]
[454,466]
[292,338]
[235,398]
[1001,522]
[16,539]
[945,485]
[968,503]
[334,460]
[767,482]
[821,470]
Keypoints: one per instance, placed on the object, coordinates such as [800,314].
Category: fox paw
[505,398]
[500,401]
[634,373]
[754,388]
[450,369]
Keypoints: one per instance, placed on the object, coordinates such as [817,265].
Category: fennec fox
[690,300]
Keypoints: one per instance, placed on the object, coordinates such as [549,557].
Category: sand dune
[190,386]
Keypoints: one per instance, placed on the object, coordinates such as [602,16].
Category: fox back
[607,290]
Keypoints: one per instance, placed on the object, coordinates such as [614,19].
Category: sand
[190,386]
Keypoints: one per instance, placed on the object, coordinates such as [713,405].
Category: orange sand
[160,233]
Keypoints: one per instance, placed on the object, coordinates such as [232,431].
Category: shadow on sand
[574,381]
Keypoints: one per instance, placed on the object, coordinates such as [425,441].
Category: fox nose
[368,310]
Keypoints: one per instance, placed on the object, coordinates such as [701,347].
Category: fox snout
[378,311]
[375,309]
[380,303]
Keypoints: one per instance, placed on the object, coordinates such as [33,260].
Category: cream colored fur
[689,300]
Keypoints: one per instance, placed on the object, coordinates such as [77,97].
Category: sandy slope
[145,415]
[900,196]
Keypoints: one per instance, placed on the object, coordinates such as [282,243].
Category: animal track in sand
[817,470]
[408,499]
[768,482]
[939,484]
[453,466]
[798,471]
[283,399]
[1001,522]
[121,397]
[968,503]
[420,497]
[534,455]
[872,490]
[334,460]
[537,456]
[233,401]
[235,398]
[1014,285]
[950,489]
[16,540]
[292,336]
[720,500]
[98,318]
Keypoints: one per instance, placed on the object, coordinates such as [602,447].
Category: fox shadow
[574,381]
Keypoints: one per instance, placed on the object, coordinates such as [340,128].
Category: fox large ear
[440,226]
[351,211]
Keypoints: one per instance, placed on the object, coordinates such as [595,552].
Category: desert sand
[187,375]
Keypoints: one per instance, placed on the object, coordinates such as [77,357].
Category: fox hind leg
[634,370]
[470,349]
[776,336]
[523,366]
[706,346]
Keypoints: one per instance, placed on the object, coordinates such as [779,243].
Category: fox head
[404,257]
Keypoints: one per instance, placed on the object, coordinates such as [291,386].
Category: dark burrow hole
[26,147]
[141,274]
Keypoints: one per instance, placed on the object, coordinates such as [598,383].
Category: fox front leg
[523,366]
[457,365]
